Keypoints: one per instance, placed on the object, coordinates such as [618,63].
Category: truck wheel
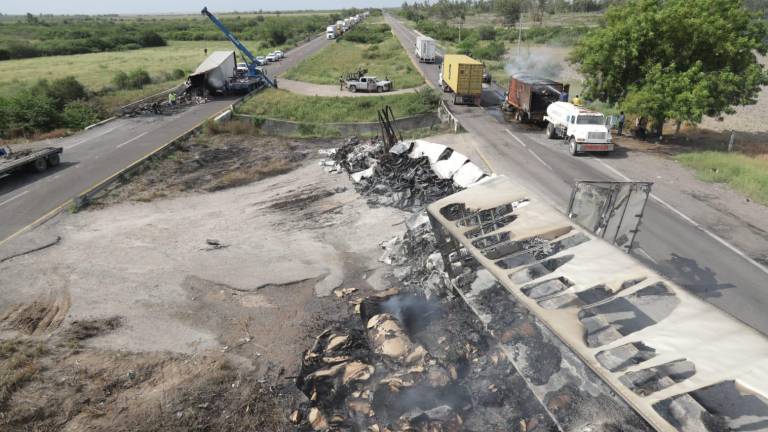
[572,149]
[39,165]
[519,116]
[551,131]
[380,89]
[53,160]
[353,89]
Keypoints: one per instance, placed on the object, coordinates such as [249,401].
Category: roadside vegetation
[279,104]
[743,173]
[368,46]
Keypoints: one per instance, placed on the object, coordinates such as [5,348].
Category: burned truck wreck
[504,316]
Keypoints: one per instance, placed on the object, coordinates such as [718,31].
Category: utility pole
[519,34]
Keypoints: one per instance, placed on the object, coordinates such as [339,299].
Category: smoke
[538,64]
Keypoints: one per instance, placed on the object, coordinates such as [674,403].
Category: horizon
[178,7]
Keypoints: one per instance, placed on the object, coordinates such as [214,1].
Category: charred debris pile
[407,175]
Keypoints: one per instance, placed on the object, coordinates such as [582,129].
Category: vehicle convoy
[426,50]
[463,76]
[33,159]
[255,77]
[528,97]
[584,130]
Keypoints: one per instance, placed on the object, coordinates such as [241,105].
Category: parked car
[280,55]
[271,57]
[261,60]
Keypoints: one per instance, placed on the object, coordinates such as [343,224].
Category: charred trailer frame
[528,97]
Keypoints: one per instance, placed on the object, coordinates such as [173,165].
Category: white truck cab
[583,129]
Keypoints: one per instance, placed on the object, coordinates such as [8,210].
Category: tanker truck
[583,129]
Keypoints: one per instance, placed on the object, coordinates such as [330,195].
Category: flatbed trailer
[37,160]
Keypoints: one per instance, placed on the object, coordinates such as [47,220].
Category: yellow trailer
[463,76]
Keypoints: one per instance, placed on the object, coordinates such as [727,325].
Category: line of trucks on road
[529,99]
[343,26]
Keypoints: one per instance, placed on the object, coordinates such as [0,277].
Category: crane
[253,69]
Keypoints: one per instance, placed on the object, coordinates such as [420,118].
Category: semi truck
[529,96]
[463,76]
[583,130]
[330,32]
[32,159]
[426,50]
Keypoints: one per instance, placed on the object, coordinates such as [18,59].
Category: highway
[94,155]
[670,241]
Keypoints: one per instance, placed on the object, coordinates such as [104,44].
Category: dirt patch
[38,317]
[215,160]
[52,387]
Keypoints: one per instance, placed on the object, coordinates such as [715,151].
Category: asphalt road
[92,156]
[670,240]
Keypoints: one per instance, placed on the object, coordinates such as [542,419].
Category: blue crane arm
[229,35]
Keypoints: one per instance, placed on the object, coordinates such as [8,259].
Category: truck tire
[353,89]
[39,165]
[53,160]
[572,149]
[551,133]
[380,89]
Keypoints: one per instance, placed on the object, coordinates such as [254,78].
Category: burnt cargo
[529,96]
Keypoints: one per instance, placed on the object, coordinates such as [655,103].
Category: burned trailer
[218,75]
[529,96]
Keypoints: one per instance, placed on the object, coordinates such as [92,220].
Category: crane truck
[255,77]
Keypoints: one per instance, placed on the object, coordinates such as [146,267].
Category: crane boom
[249,57]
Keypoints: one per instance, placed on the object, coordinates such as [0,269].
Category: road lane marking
[540,159]
[13,198]
[515,137]
[645,254]
[85,140]
[682,215]
[132,139]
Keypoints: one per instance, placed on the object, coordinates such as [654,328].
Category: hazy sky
[166,6]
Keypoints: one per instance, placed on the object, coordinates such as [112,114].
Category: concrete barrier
[446,115]
[290,128]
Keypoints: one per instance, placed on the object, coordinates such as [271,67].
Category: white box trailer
[426,50]
[215,71]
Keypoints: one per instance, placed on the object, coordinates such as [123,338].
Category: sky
[92,7]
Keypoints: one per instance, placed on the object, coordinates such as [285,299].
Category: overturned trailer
[218,74]
[599,336]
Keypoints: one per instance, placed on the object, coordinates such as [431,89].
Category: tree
[675,59]
[509,10]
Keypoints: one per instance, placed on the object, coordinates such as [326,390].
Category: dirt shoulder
[170,306]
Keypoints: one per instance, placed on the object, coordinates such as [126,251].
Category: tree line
[37,37]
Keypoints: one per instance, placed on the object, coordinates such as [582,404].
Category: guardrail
[446,115]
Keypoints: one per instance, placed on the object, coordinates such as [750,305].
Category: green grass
[280,104]
[387,59]
[96,70]
[743,173]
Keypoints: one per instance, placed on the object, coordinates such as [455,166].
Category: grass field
[96,70]
[386,59]
[280,104]
[745,174]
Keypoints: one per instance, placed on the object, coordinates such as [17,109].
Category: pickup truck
[34,159]
[367,84]
[584,130]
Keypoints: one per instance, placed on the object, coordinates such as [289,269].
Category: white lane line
[515,137]
[645,254]
[13,198]
[90,138]
[540,159]
[682,215]
[132,139]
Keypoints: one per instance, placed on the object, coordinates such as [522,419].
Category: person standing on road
[564,96]
[172,98]
[577,100]
[621,123]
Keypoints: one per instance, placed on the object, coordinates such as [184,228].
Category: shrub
[494,51]
[79,114]
[33,111]
[368,34]
[66,90]
[135,79]
[486,32]
[151,39]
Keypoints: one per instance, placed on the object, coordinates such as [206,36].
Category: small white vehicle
[367,84]
[271,57]
[261,60]
[279,54]
[583,129]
